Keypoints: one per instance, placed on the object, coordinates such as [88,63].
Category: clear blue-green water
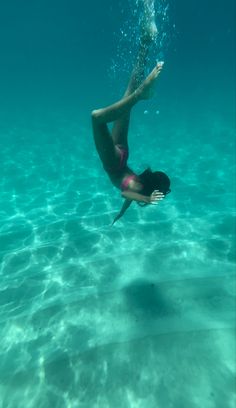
[141,314]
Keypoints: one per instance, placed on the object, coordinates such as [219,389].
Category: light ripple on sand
[75,291]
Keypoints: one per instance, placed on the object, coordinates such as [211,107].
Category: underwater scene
[140,313]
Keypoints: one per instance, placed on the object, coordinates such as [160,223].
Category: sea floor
[138,315]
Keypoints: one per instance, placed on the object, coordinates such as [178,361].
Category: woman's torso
[119,171]
[120,178]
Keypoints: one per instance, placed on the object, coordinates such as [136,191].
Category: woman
[148,187]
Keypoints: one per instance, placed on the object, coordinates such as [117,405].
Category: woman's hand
[156,196]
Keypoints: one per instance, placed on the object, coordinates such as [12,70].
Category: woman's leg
[119,113]
[104,143]
[121,125]
[149,24]
[148,34]
[102,137]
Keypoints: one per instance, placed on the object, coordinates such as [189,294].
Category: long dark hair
[156,180]
[150,181]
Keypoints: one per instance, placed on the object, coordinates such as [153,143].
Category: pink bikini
[126,181]
[123,162]
[123,155]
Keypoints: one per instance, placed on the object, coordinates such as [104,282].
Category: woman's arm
[132,195]
[152,199]
[122,211]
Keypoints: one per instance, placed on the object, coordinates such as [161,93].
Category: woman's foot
[145,90]
[148,32]
[148,29]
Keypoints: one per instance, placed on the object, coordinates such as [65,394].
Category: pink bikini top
[125,182]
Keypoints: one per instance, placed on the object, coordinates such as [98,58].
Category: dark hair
[156,180]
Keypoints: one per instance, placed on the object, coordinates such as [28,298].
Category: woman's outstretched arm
[154,198]
[122,211]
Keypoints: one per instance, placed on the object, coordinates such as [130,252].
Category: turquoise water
[141,314]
